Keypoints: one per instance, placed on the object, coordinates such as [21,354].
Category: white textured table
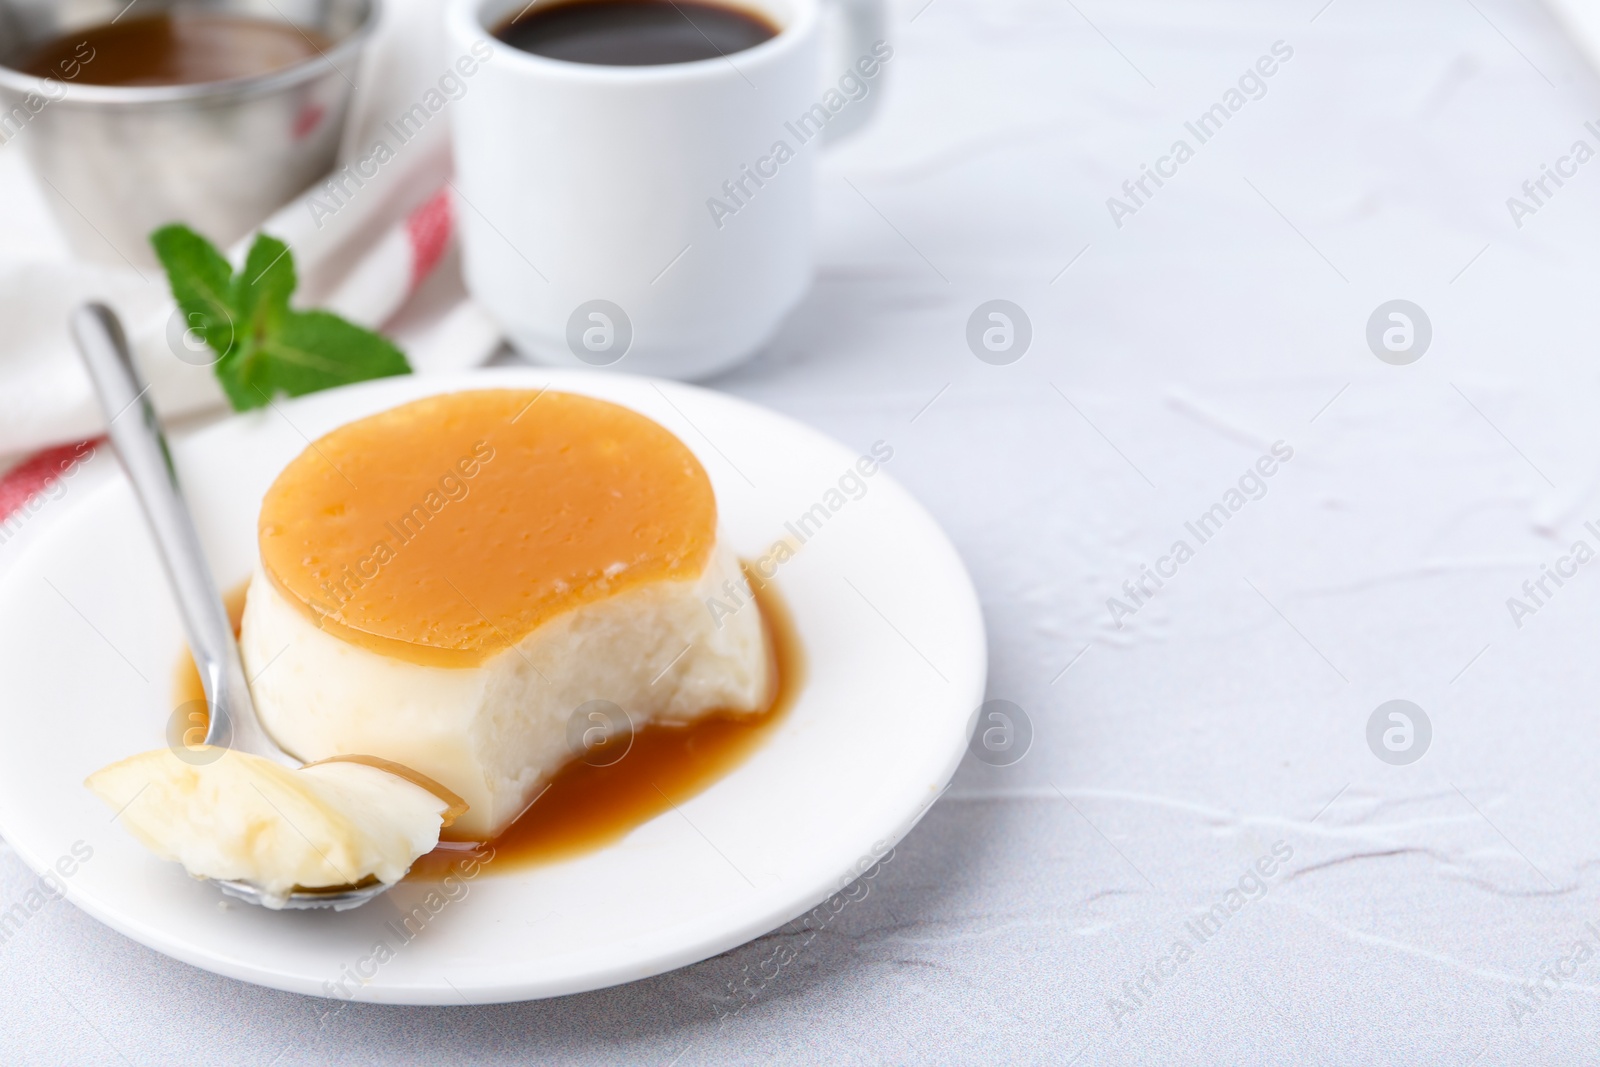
[1434,912]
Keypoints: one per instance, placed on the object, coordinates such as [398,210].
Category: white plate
[886,614]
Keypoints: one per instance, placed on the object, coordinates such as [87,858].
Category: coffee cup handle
[856,52]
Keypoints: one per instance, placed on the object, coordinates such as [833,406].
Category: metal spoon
[142,449]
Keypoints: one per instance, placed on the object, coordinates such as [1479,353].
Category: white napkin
[385,259]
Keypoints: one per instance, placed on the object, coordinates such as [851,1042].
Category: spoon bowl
[339,898]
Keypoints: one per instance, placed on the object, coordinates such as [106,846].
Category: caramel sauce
[587,807]
[447,529]
[175,48]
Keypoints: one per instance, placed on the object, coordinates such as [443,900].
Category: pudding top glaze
[445,530]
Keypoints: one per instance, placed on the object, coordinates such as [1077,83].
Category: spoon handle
[136,434]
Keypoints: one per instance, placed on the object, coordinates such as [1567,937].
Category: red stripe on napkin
[428,229]
[39,472]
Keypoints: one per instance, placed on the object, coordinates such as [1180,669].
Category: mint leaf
[199,277]
[264,347]
[261,290]
[315,350]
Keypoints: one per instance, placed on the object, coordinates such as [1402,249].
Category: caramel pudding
[455,584]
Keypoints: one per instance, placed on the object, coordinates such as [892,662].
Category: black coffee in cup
[635,33]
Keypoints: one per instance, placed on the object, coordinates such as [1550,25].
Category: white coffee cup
[645,218]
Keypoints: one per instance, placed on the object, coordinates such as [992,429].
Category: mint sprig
[263,346]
